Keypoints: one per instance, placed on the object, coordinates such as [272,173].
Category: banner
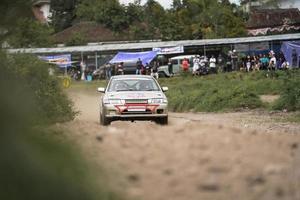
[60,60]
[259,46]
[291,52]
[132,57]
[252,47]
[169,50]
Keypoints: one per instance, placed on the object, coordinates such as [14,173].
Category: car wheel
[162,74]
[104,121]
[162,121]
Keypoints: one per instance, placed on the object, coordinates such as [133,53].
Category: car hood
[135,95]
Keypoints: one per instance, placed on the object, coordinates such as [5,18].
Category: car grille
[136,101]
[126,112]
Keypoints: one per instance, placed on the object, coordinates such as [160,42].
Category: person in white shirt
[272,64]
[212,64]
[196,62]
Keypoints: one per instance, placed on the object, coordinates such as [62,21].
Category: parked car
[176,61]
[133,97]
[99,73]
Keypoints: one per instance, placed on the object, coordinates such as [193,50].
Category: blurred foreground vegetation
[33,163]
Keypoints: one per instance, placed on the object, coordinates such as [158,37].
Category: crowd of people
[140,68]
[200,65]
[232,62]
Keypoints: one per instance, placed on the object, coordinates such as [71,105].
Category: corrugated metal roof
[150,45]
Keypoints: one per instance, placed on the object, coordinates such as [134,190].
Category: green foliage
[208,19]
[63,13]
[107,12]
[76,39]
[10,13]
[290,94]
[225,92]
[33,163]
[52,104]
[30,33]
[189,19]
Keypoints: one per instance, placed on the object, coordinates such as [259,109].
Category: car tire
[104,121]
[162,74]
[162,121]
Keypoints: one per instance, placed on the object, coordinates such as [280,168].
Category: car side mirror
[165,89]
[101,89]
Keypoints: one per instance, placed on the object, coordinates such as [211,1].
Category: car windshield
[133,84]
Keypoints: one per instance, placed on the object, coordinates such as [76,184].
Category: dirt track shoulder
[245,155]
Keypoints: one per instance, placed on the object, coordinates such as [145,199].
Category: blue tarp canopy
[146,57]
[291,52]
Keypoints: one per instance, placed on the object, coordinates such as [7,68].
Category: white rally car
[133,97]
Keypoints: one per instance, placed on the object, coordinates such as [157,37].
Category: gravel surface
[242,155]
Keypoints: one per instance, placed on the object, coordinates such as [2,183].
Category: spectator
[154,69]
[248,63]
[196,62]
[265,62]
[170,67]
[272,63]
[279,63]
[185,65]
[221,62]
[255,63]
[108,69]
[285,65]
[147,69]
[83,69]
[228,62]
[139,66]
[212,64]
[234,59]
[120,68]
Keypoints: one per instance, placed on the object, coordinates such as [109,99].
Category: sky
[164,3]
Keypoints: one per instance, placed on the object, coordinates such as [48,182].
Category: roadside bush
[231,91]
[290,95]
[34,164]
[211,94]
[52,104]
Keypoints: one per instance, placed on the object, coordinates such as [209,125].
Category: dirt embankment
[197,156]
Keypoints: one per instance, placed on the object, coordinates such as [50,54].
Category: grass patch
[90,86]
[225,92]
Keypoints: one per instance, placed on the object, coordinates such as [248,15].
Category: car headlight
[113,101]
[157,101]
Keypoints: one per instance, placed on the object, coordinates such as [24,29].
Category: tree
[269,3]
[154,13]
[207,19]
[18,26]
[63,13]
[110,13]
[134,12]
[10,12]
[30,33]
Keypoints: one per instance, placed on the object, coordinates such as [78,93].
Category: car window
[175,62]
[133,85]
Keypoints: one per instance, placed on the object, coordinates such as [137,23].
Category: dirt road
[244,155]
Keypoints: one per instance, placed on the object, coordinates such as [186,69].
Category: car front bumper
[135,111]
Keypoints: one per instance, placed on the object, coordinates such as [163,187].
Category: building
[273,21]
[249,5]
[41,10]
[90,32]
